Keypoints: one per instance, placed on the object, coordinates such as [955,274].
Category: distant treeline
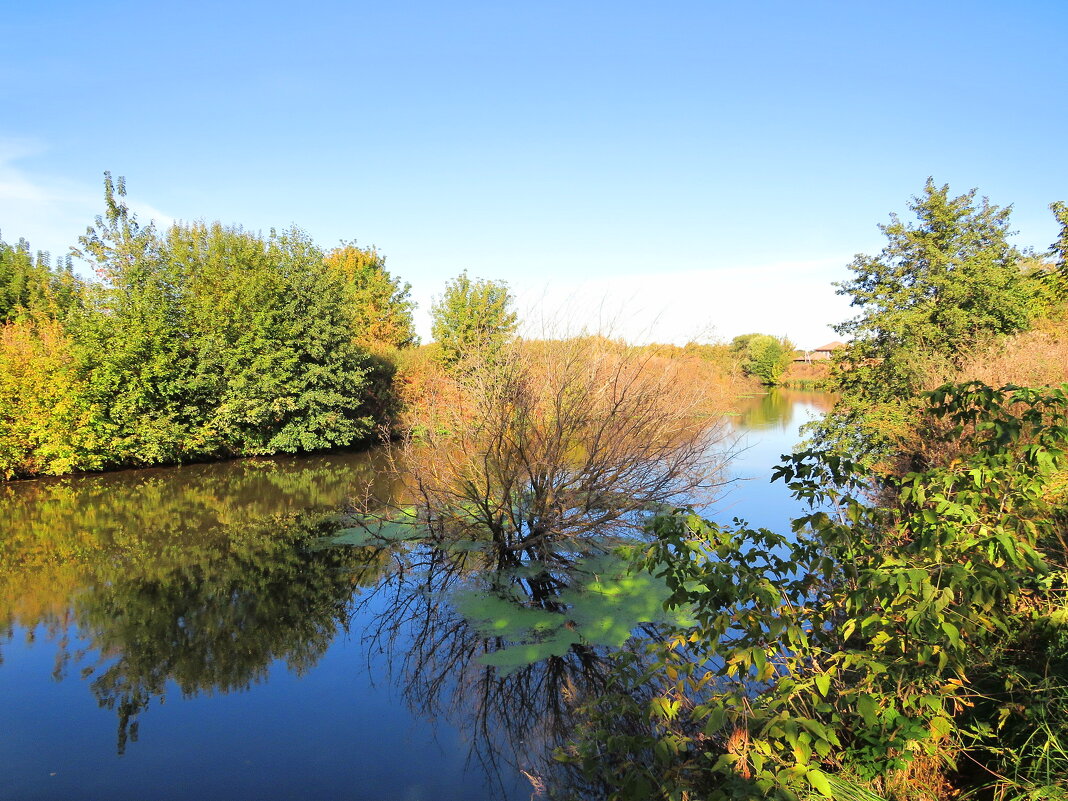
[202,341]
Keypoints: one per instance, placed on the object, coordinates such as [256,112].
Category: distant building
[821,353]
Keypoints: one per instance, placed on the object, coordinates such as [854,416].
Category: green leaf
[823,683]
[867,708]
[818,779]
[940,728]
[717,719]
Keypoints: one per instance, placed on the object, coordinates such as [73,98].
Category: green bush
[910,648]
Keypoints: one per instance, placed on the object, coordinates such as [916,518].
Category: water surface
[181,633]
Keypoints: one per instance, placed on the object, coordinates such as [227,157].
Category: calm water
[180,633]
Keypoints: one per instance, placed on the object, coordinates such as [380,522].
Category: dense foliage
[914,647]
[908,639]
[472,315]
[943,285]
[380,304]
[28,284]
[763,356]
[200,342]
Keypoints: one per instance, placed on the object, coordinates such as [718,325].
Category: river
[170,634]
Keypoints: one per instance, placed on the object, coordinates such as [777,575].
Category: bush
[915,648]
[546,440]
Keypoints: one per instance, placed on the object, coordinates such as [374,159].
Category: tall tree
[940,286]
[472,315]
[1059,249]
[131,342]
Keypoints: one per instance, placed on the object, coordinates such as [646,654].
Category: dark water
[180,634]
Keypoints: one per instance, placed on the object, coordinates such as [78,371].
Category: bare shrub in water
[553,439]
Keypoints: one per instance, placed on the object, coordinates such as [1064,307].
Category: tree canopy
[380,304]
[940,286]
[472,314]
[763,356]
[30,285]
[201,341]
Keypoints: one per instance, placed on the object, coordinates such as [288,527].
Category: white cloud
[794,299]
[50,212]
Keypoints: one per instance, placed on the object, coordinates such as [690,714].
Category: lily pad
[605,603]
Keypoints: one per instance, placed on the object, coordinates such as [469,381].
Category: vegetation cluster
[529,443]
[908,637]
[763,356]
[200,342]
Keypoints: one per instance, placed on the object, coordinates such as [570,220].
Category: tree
[28,284]
[943,286]
[269,326]
[381,305]
[130,340]
[472,315]
[46,425]
[213,341]
[763,356]
[939,287]
[556,440]
[1059,249]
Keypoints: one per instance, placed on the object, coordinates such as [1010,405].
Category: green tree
[763,356]
[270,331]
[1059,249]
[472,315]
[381,305]
[30,285]
[943,285]
[212,341]
[940,286]
[131,343]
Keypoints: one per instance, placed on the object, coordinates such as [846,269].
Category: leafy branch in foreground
[915,647]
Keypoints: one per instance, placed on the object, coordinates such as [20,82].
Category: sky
[668,171]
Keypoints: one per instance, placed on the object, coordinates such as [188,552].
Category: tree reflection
[217,623]
[200,576]
[151,589]
[776,408]
[514,716]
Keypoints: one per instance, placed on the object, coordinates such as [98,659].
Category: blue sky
[678,169]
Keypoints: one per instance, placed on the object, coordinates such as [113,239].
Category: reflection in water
[216,623]
[197,576]
[211,620]
[211,579]
[56,531]
[778,408]
[442,648]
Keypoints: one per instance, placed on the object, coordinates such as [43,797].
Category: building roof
[831,346]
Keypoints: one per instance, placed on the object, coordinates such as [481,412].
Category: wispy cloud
[48,211]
